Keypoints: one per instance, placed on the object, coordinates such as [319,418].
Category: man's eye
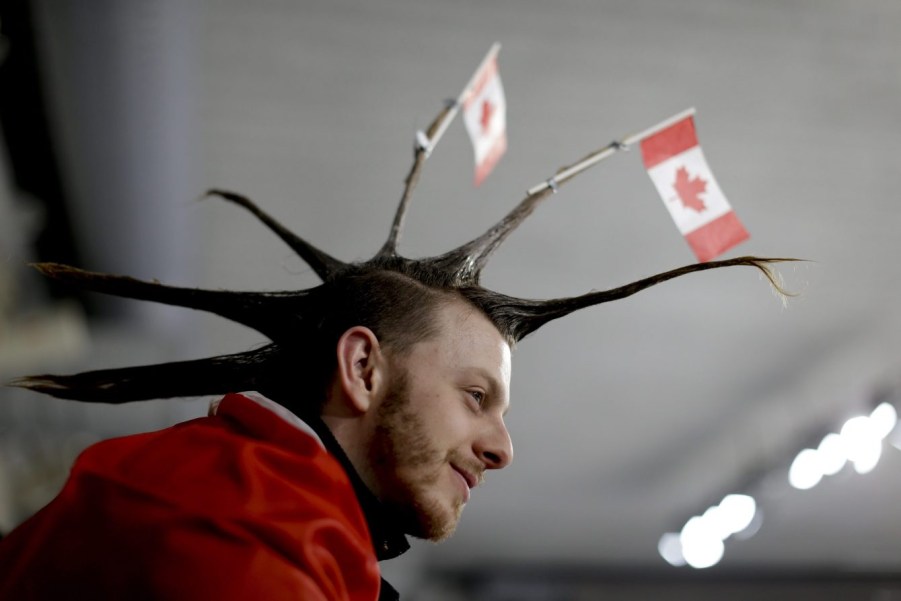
[478,396]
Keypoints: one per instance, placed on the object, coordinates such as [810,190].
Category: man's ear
[361,366]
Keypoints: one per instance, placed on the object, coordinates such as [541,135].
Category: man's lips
[469,479]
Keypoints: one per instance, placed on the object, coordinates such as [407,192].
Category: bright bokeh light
[884,419]
[867,457]
[752,528]
[700,543]
[805,471]
[858,435]
[716,523]
[831,454]
[738,512]
[670,548]
[701,548]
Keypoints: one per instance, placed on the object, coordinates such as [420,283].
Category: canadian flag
[485,115]
[678,169]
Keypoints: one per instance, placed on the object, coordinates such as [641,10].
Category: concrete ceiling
[627,418]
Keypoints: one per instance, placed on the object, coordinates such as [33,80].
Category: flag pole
[597,156]
[455,107]
[425,143]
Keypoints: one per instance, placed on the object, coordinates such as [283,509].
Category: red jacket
[244,504]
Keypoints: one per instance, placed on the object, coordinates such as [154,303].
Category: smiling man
[422,427]
[300,499]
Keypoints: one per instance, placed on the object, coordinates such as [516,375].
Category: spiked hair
[304,325]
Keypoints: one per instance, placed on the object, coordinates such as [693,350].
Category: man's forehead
[464,330]
[479,350]
[467,324]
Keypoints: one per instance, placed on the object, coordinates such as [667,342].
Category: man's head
[423,420]
[400,308]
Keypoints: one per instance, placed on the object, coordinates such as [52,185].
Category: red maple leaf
[689,190]
[487,113]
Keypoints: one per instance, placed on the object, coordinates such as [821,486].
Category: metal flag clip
[422,141]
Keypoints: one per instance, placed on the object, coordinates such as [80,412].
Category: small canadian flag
[678,169]
[485,115]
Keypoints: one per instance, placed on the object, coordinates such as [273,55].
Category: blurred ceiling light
[858,437]
[831,454]
[670,548]
[739,511]
[751,529]
[716,523]
[700,543]
[805,471]
[701,547]
[884,419]
[867,457]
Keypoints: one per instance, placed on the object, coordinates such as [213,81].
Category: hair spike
[198,377]
[523,316]
[322,263]
[465,263]
[270,313]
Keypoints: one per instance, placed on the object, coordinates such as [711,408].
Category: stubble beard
[411,467]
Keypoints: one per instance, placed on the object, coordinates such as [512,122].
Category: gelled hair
[393,295]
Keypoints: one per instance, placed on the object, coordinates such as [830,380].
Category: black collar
[388,539]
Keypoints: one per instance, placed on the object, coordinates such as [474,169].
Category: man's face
[441,422]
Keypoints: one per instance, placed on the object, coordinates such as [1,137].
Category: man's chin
[436,532]
[433,521]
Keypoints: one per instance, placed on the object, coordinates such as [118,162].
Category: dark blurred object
[34,166]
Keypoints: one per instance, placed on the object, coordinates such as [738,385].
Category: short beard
[401,445]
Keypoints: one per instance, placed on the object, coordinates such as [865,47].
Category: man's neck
[387,537]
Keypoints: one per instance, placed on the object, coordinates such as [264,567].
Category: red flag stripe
[673,140]
[716,237]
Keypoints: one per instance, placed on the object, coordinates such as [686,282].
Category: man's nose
[495,448]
